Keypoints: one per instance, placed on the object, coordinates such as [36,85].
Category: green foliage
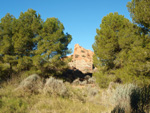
[121,49]
[4,71]
[25,63]
[6,26]
[103,79]
[30,43]
[140,13]
[114,37]
[26,30]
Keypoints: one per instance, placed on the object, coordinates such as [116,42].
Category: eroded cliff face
[82,59]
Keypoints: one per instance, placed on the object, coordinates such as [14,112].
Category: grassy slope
[12,102]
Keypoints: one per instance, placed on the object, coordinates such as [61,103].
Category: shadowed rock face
[82,59]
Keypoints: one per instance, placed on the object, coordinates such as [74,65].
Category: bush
[55,87]
[4,71]
[103,80]
[119,76]
[126,77]
[32,83]
[117,109]
[140,100]
[132,98]
[92,91]
[122,96]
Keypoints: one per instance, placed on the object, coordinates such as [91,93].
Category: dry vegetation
[32,95]
[28,101]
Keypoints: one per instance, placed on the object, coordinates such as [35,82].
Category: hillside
[75,91]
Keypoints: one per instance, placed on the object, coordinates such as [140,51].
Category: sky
[80,18]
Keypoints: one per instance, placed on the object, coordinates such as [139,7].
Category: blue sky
[79,17]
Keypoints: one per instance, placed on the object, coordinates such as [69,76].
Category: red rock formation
[82,59]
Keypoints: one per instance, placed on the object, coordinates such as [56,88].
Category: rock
[32,83]
[55,87]
[82,59]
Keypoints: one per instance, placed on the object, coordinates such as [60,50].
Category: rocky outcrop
[82,59]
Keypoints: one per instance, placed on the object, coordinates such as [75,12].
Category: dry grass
[27,102]
[61,105]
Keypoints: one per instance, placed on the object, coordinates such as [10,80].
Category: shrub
[122,96]
[103,80]
[132,98]
[76,81]
[32,83]
[140,100]
[4,71]
[92,91]
[55,87]
[125,77]
[117,109]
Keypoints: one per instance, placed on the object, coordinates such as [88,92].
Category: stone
[82,59]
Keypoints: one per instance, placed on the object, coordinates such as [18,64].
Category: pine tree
[122,49]
[6,34]
[52,46]
[140,13]
[26,29]
[111,39]
[30,43]
[6,44]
